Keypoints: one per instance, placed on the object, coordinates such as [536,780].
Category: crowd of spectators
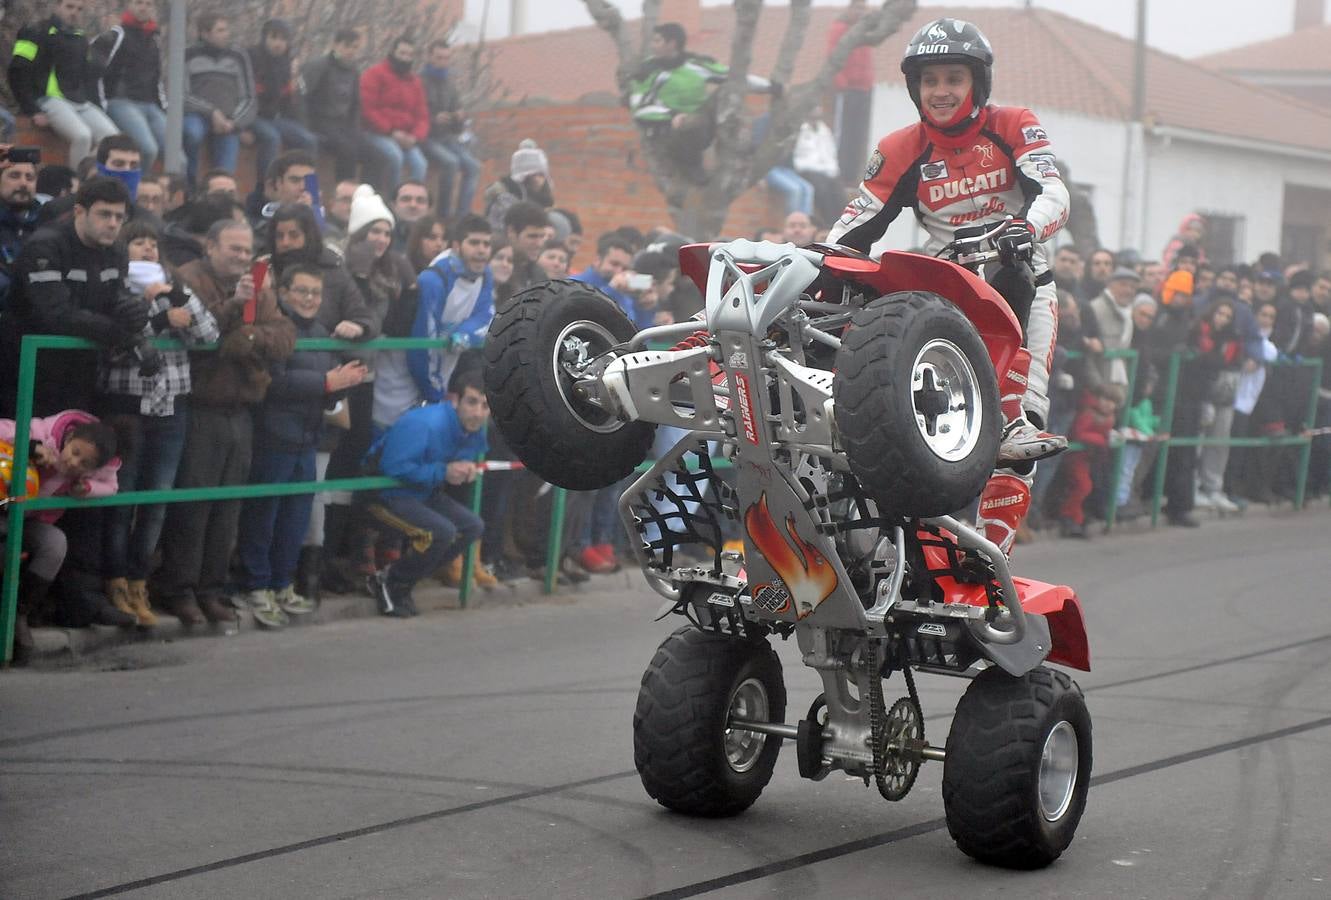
[1239,331]
[115,253]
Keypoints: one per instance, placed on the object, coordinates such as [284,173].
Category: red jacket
[389,102]
[857,73]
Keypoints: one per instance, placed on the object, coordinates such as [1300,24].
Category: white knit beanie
[367,207]
[529,159]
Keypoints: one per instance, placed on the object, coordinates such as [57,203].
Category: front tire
[531,344]
[1018,767]
[688,760]
[917,405]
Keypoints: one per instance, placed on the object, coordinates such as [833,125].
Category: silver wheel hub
[748,703]
[578,344]
[1058,771]
[945,396]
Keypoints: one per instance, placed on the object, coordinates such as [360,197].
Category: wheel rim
[1058,771]
[577,344]
[945,396]
[748,702]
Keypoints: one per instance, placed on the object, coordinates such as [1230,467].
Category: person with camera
[148,413]
[227,384]
[19,209]
[70,279]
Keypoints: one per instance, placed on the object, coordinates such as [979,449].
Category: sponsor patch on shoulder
[1034,134]
[874,167]
[933,171]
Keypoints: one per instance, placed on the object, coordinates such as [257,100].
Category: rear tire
[917,405]
[1018,767]
[687,759]
[559,436]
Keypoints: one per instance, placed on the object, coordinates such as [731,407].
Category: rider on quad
[966,163]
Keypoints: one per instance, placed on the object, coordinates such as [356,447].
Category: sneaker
[506,570]
[450,573]
[1223,504]
[377,585]
[264,608]
[292,603]
[185,609]
[570,570]
[1023,442]
[1202,501]
[1183,520]
[592,561]
[607,552]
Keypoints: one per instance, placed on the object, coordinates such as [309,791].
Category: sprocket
[903,739]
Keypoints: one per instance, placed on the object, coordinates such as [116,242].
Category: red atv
[858,404]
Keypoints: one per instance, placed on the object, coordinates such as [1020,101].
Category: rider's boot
[1003,505]
[1023,442]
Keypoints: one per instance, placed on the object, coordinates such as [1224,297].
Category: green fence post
[1309,422]
[27,378]
[1167,417]
[468,564]
[1116,476]
[554,550]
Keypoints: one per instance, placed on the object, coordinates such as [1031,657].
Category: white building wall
[1187,176]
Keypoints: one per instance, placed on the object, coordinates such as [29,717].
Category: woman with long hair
[387,284]
[426,239]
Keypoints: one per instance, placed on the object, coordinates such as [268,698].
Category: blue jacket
[452,308]
[641,319]
[421,444]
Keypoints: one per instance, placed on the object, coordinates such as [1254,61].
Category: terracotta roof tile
[1305,50]
[1045,60]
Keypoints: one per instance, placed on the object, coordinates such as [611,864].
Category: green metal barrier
[18,506]
[1176,361]
[554,550]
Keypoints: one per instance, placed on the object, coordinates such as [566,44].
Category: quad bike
[857,400]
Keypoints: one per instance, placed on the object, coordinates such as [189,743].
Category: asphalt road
[487,753]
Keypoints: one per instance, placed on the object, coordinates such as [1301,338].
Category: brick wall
[598,168]
[594,155]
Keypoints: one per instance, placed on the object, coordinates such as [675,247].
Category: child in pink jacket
[74,455]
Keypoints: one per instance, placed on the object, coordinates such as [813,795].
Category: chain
[914,698]
[877,717]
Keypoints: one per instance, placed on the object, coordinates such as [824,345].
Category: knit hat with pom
[367,207]
[529,159]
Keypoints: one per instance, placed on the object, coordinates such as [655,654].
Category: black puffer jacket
[290,418]
[127,62]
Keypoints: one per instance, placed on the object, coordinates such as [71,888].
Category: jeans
[345,147]
[452,524]
[150,449]
[273,528]
[82,124]
[223,149]
[797,192]
[269,137]
[453,159]
[387,159]
[199,537]
[1132,456]
[145,123]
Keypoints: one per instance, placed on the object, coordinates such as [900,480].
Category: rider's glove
[1016,241]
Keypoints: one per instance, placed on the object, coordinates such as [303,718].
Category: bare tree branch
[651,14]
[609,19]
[797,29]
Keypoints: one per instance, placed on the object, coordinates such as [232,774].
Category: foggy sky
[1183,27]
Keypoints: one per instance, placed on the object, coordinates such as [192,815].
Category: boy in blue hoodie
[427,448]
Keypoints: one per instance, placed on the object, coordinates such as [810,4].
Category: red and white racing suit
[1001,165]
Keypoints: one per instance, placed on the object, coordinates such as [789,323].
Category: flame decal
[808,576]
